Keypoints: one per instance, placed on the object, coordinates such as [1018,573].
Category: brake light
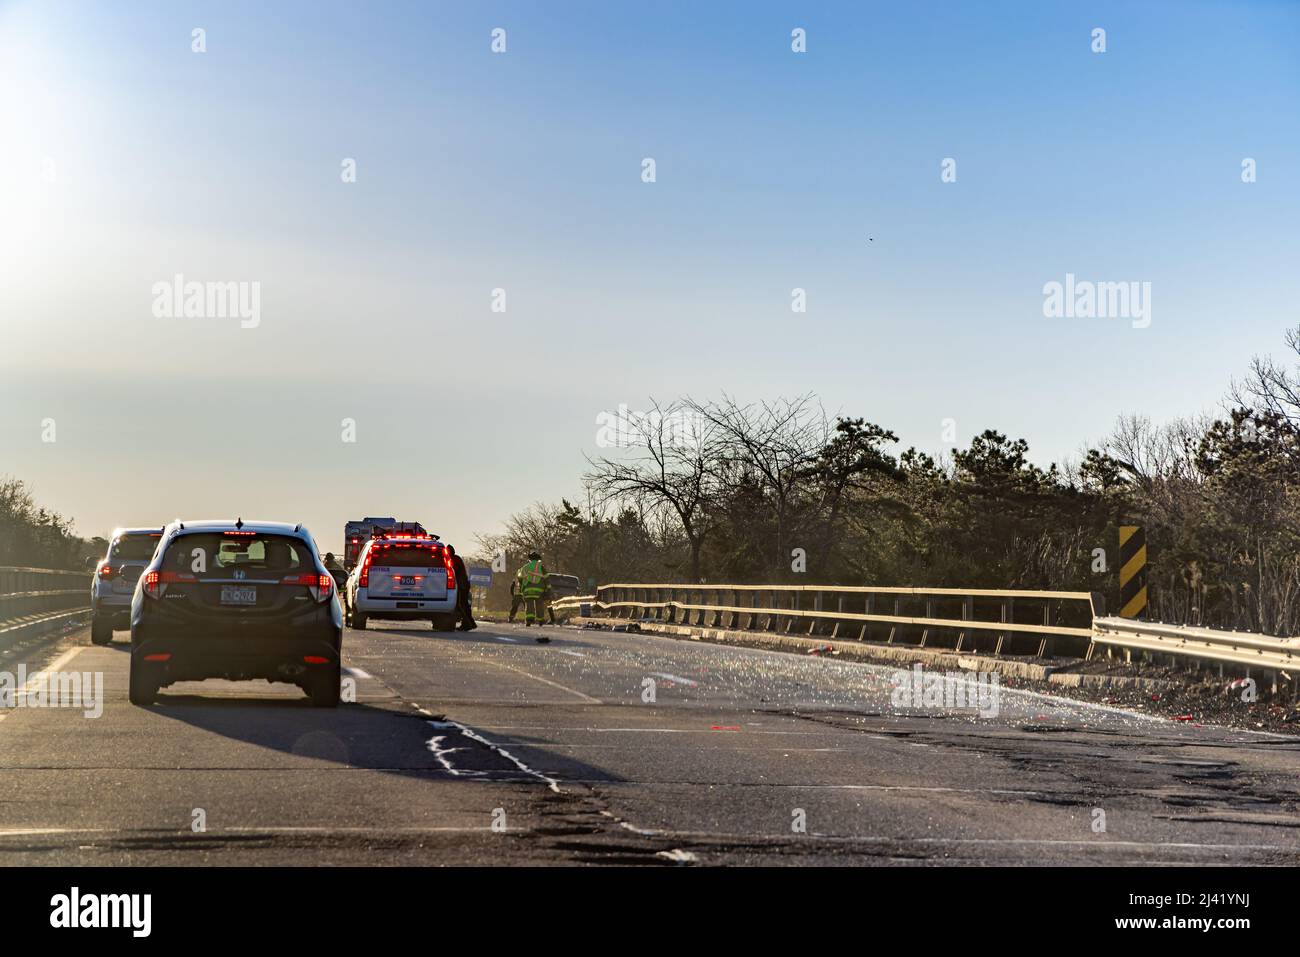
[239,533]
[161,656]
[321,586]
[365,568]
[106,572]
[315,660]
[155,583]
[451,570]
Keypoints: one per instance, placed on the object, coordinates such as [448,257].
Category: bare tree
[773,444]
[669,472]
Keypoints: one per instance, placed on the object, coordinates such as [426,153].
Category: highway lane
[489,748]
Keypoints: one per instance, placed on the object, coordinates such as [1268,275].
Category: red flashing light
[315,660]
[451,570]
[162,656]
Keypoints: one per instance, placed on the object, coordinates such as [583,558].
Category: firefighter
[467,622]
[532,585]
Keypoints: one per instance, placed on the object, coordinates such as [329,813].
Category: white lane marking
[32,679]
[357,673]
[54,665]
[512,641]
[29,831]
[676,680]
[473,735]
[565,651]
[434,744]
[678,856]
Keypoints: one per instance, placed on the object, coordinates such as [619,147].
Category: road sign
[1132,571]
[480,576]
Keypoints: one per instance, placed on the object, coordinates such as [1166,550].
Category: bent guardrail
[1206,644]
[35,597]
[1000,621]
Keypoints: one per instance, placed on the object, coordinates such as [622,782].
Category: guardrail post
[929,613]
[898,611]
[867,609]
[1008,616]
[1043,645]
[967,614]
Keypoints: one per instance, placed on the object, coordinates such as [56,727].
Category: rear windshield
[406,556]
[218,555]
[136,548]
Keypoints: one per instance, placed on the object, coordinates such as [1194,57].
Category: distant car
[403,578]
[129,551]
[236,600]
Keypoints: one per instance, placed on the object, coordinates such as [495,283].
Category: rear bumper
[403,609]
[113,608]
[236,657]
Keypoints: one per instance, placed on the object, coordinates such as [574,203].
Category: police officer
[532,585]
[467,622]
[516,600]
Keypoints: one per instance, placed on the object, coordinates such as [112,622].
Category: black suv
[236,600]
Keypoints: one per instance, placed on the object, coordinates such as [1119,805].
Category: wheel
[144,686]
[101,632]
[359,621]
[324,689]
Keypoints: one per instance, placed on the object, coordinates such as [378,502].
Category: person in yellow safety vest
[532,585]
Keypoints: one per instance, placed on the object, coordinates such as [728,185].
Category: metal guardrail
[38,596]
[994,620]
[1207,644]
[778,608]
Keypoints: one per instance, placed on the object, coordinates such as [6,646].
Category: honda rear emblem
[240,574]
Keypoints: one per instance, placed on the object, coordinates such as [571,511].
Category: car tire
[143,688]
[324,689]
[359,621]
[101,632]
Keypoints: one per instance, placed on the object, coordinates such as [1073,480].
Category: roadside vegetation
[35,537]
[782,492]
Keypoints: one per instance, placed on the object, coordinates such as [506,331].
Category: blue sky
[522,171]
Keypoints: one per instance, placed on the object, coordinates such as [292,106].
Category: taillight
[155,583]
[365,569]
[321,586]
[106,573]
[451,570]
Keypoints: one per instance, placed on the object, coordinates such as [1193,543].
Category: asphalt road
[487,748]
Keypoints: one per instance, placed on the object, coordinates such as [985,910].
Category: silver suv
[129,551]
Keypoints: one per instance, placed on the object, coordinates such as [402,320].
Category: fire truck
[357,533]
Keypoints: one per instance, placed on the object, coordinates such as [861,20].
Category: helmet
[534,557]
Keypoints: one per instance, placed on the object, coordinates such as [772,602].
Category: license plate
[236,595]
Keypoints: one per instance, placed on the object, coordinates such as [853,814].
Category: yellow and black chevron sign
[1132,571]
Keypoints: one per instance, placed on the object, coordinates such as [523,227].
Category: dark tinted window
[216,555]
[135,548]
[406,556]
